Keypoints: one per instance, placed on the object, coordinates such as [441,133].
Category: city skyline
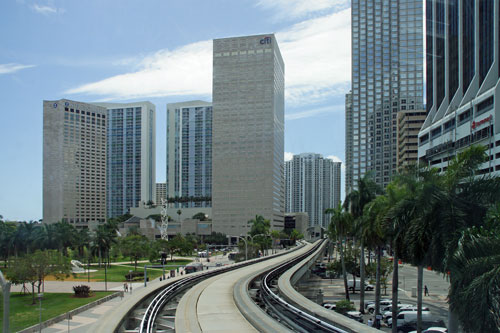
[103,65]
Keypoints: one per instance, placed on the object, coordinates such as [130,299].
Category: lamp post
[246,246]
[40,312]
[266,235]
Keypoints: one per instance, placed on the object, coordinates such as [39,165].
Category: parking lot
[333,291]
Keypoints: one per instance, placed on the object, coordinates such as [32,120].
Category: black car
[412,325]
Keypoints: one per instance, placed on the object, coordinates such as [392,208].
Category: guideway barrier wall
[288,293]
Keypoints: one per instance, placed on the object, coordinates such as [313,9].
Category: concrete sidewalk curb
[64,316]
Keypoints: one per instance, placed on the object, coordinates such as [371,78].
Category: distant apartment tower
[314,186]
[131,156]
[161,192]
[463,86]
[387,76]
[248,128]
[349,150]
[74,163]
[409,124]
[189,152]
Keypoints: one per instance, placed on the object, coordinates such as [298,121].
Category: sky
[159,51]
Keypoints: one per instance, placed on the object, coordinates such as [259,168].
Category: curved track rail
[172,290]
[297,319]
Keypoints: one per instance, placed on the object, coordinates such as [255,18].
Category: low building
[409,123]
[299,221]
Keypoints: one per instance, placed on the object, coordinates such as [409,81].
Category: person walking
[426,291]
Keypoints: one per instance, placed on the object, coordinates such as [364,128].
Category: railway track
[294,318]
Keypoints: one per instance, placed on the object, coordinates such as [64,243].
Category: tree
[7,231]
[135,247]
[355,202]
[35,267]
[337,230]
[200,216]
[179,212]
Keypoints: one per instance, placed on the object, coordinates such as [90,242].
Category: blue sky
[161,51]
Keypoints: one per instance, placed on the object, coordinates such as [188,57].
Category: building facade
[314,186]
[189,153]
[131,156]
[248,132]
[161,192]
[463,86]
[409,124]
[74,163]
[387,76]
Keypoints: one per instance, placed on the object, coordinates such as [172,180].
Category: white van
[407,316]
[350,285]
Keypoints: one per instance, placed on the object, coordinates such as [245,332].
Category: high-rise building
[314,186]
[74,163]
[409,123]
[463,86]
[349,179]
[387,76]
[189,153]
[131,156]
[248,129]
[161,192]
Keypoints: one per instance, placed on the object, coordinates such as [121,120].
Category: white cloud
[45,10]
[291,9]
[183,71]
[12,67]
[288,156]
[317,55]
[314,112]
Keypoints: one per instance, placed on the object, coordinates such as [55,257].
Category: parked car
[350,285]
[381,300]
[428,326]
[371,306]
[330,306]
[356,315]
[408,316]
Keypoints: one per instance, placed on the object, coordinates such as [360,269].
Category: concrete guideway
[214,305]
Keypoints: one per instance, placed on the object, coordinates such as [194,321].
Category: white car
[330,306]
[406,316]
[371,307]
[434,330]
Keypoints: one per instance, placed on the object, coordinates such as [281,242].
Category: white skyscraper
[248,132]
[131,155]
[313,185]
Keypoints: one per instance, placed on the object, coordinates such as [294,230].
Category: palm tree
[373,234]
[341,222]
[179,212]
[475,293]
[355,202]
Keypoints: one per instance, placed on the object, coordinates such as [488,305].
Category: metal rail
[149,318]
[297,319]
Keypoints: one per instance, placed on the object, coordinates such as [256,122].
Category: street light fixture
[40,296]
[246,246]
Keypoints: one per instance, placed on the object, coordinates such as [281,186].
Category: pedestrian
[125,287]
[131,288]
[426,291]
[370,322]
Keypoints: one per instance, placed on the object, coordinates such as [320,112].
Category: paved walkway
[85,321]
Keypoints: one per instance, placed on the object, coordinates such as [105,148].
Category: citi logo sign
[265,40]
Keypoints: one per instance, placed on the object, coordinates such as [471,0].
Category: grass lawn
[23,314]
[116,273]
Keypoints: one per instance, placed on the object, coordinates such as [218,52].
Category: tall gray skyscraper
[248,132]
[131,155]
[74,163]
[463,82]
[387,76]
[314,186]
[189,152]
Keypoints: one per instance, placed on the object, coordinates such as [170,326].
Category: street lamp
[39,296]
[246,246]
[251,237]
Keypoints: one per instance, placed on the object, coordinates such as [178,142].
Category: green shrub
[82,291]
[344,306]
[135,275]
